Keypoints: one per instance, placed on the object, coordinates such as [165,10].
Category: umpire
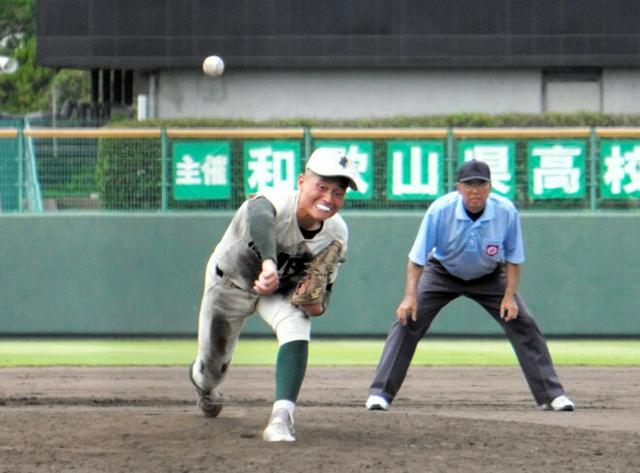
[469,244]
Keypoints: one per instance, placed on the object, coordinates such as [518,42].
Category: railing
[174,169]
[30,179]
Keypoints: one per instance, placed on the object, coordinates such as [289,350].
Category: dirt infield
[445,420]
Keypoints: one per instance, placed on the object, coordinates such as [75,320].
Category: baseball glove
[313,286]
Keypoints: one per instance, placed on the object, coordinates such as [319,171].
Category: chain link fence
[47,169]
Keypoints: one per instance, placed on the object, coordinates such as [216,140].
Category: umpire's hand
[406,310]
[508,308]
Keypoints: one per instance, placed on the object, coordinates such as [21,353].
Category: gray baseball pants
[436,288]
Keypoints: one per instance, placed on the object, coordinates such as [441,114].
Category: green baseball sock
[291,365]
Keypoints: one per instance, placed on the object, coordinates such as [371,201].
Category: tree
[26,89]
[29,88]
[17,20]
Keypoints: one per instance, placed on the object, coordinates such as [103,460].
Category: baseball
[213,66]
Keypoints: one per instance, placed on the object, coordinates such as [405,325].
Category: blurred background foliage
[30,88]
[459,120]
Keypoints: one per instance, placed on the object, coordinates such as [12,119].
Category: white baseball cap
[332,162]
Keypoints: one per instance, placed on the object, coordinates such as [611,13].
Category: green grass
[342,352]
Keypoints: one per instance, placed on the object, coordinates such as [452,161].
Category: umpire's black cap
[474,170]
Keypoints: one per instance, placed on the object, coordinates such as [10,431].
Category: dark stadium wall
[421,57]
[152,34]
[132,274]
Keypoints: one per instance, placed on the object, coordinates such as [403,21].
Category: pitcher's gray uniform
[259,261]
[231,271]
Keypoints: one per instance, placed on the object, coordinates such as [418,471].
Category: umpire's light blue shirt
[469,249]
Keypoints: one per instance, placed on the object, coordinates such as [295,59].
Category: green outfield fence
[44,169]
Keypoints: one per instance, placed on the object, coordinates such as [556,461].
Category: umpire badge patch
[492,250]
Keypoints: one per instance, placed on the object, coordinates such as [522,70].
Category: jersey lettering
[291,269]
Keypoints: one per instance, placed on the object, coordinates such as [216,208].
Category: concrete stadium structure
[350,59]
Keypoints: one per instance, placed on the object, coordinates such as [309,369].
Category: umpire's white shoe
[561,403]
[376,403]
[280,428]
[209,402]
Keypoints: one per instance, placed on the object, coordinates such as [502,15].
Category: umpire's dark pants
[437,288]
